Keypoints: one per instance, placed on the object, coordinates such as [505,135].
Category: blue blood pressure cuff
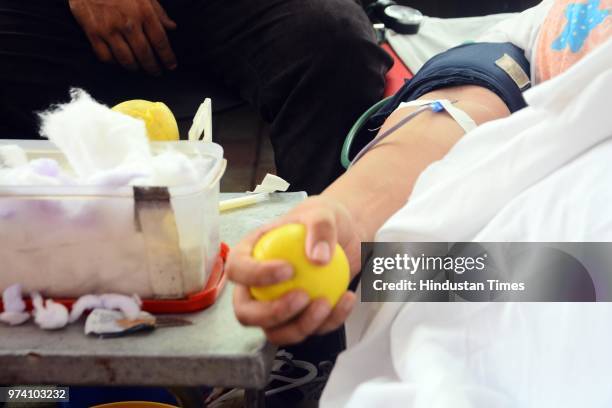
[500,67]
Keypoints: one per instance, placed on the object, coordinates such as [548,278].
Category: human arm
[349,212]
[380,183]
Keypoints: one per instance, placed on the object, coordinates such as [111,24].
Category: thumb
[320,240]
[166,21]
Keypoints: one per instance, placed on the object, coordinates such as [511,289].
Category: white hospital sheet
[439,34]
[542,174]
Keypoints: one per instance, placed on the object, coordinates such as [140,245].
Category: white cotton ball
[12,156]
[49,315]
[46,167]
[111,149]
[129,306]
[12,300]
[31,178]
[85,302]
[14,318]
[93,137]
[25,176]
[14,307]
[172,168]
[119,177]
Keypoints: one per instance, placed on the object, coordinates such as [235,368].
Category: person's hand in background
[131,33]
[293,317]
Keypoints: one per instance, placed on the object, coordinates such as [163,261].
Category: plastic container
[156,242]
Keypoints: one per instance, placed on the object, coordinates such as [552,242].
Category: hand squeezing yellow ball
[158,118]
[288,243]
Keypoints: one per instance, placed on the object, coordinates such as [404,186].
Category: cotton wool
[70,210]
[93,137]
[102,147]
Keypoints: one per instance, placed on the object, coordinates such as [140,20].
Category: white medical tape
[270,184]
[463,119]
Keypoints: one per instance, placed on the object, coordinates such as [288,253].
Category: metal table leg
[188,397]
[254,398]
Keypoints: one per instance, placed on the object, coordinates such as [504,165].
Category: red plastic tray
[397,75]
[197,301]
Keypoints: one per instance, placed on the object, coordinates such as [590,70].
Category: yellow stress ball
[288,243]
[158,118]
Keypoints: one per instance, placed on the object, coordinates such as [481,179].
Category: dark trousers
[310,67]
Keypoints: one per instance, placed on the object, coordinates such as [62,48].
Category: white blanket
[541,175]
[439,34]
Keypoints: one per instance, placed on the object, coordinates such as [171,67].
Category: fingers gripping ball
[158,118]
[288,243]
